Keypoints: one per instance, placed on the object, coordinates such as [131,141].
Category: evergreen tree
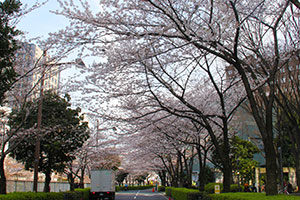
[8,46]
[63,132]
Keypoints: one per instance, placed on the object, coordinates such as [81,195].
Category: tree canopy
[63,132]
[8,45]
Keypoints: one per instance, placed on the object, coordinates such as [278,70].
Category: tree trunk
[71,181]
[227,177]
[271,167]
[201,177]
[47,181]
[226,161]
[2,176]
[81,184]
[162,176]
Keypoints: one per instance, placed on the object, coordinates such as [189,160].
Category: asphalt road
[140,195]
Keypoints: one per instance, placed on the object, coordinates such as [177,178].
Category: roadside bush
[210,188]
[235,188]
[186,194]
[78,194]
[182,193]
[161,188]
[251,196]
[168,191]
[32,196]
[85,192]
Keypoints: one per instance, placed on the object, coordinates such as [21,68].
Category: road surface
[140,195]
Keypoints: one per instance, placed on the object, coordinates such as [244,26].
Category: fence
[26,186]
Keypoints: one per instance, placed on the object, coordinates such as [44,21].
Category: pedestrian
[290,188]
[253,188]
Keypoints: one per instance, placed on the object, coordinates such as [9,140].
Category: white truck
[102,184]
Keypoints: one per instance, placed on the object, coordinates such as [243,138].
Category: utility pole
[39,123]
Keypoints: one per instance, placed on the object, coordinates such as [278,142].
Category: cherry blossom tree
[287,102]
[168,42]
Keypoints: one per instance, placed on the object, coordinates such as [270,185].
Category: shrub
[161,188]
[85,192]
[235,188]
[186,194]
[210,187]
[168,191]
[250,196]
[32,196]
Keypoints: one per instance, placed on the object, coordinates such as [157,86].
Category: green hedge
[251,196]
[78,194]
[161,188]
[32,196]
[168,191]
[182,193]
[85,192]
[210,187]
[185,194]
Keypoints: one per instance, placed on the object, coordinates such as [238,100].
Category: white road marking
[136,194]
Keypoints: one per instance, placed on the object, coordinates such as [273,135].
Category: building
[31,63]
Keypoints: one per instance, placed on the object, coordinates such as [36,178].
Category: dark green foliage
[84,192]
[185,194]
[32,196]
[210,187]
[251,196]
[168,191]
[8,45]
[62,133]
[78,194]
[209,175]
[161,188]
[243,151]
[189,194]
[235,188]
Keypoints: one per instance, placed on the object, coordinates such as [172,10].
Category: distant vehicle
[102,184]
